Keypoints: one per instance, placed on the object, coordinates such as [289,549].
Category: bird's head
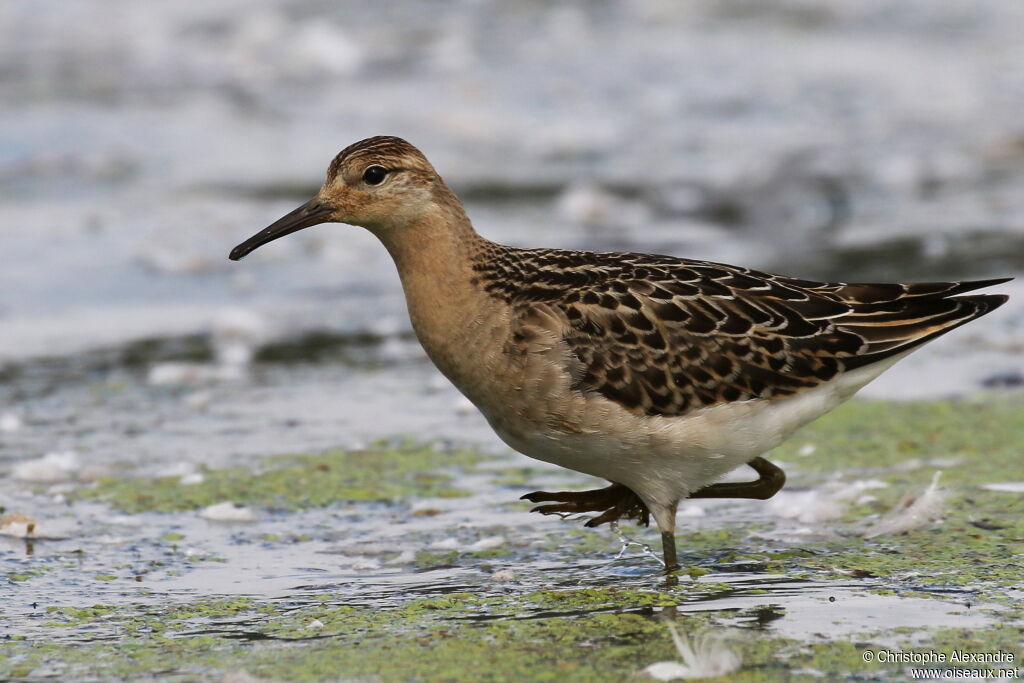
[381,183]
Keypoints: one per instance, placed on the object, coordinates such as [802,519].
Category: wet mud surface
[227,471]
[403,560]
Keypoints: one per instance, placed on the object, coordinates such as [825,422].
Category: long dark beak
[311,213]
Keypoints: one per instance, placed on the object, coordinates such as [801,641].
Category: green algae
[595,632]
[874,437]
[980,544]
[953,555]
[583,634]
[977,549]
[426,559]
[381,474]
[27,573]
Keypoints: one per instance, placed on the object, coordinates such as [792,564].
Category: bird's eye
[374,175]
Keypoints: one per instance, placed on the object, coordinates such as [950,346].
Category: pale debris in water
[709,657]
[405,557]
[124,520]
[945,462]
[228,512]
[367,548]
[365,564]
[107,539]
[452,543]
[236,335]
[586,204]
[463,406]
[179,468]
[9,422]
[911,512]
[503,575]
[175,374]
[185,471]
[1005,487]
[197,400]
[592,206]
[17,525]
[918,463]
[808,671]
[820,504]
[691,510]
[54,467]
[241,677]
[489,543]
[806,450]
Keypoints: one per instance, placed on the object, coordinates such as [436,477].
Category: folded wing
[666,336]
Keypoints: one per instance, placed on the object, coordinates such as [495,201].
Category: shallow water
[367,555]
[817,139]
[295,564]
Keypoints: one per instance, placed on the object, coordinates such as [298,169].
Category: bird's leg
[665,516]
[668,549]
[767,485]
[613,502]
[771,478]
[616,501]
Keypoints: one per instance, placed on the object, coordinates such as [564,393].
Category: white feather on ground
[54,467]
[821,504]
[228,512]
[488,543]
[709,657]
[1005,487]
[913,512]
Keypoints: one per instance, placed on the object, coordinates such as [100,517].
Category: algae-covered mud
[405,561]
[222,471]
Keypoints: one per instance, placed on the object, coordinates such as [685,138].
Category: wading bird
[659,374]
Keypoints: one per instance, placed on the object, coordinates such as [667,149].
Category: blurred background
[139,142]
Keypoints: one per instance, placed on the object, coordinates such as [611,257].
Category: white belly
[664,459]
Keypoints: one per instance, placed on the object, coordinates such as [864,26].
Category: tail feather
[925,317]
[884,293]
